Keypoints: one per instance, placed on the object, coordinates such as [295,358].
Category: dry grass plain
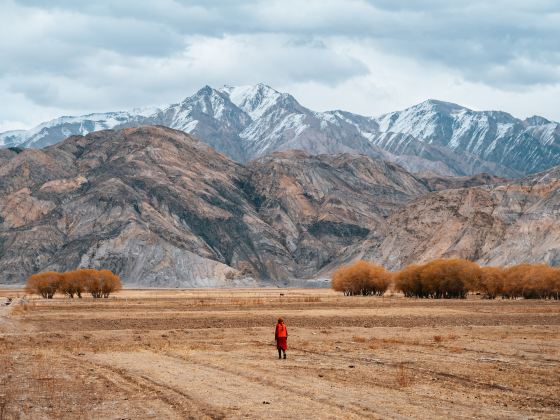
[211,354]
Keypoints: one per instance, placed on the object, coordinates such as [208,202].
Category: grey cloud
[113,54]
[123,80]
[473,38]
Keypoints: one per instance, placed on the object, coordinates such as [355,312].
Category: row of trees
[451,278]
[530,281]
[99,283]
[438,279]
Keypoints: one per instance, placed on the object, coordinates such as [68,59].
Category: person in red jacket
[281,336]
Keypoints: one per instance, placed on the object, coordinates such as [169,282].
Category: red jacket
[281,331]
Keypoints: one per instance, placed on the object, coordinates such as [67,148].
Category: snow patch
[254,100]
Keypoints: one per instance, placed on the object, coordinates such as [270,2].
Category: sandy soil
[211,354]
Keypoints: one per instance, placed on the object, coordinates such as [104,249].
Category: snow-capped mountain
[210,116]
[251,121]
[247,122]
[525,146]
[53,131]
[254,100]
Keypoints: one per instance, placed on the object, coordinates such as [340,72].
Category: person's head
[280,320]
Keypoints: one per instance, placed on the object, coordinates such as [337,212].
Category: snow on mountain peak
[436,106]
[247,121]
[537,120]
[207,100]
[255,100]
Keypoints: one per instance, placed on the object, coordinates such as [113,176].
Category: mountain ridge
[247,122]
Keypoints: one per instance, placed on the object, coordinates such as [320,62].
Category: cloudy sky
[73,57]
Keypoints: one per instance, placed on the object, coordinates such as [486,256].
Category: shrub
[440,278]
[44,284]
[361,278]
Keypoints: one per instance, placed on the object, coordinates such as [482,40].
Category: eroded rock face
[63,185]
[502,224]
[163,209]
[322,204]
[21,208]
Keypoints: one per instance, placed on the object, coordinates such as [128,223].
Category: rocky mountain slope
[499,224]
[322,204]
[163,209]
[249,122]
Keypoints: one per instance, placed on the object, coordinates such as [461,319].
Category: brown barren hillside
[501,224]
[159,208]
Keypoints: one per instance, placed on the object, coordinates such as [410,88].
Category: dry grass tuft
[374,344]
[6,389]
[403,376]
[247,302]
[438,338]
[392,341]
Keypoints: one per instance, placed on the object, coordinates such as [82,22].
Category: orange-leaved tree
[408,281]
[110,283]
[492,281]
[91,279]
[72,284]
[361,278]
[100,283]
[441,278]
[532,281]
[44,284]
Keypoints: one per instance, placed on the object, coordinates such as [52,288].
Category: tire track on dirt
[353,397]
[178,401]
[386,402]
[219,387]
[462,380]
[288,386]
